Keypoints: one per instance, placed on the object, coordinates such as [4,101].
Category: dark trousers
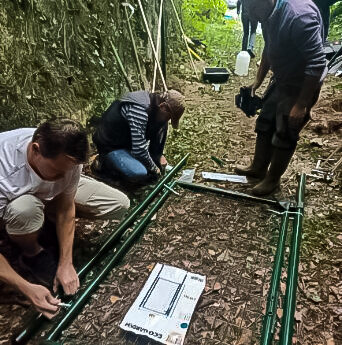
[249,31]
[274,116]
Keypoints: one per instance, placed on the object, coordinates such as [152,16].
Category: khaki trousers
[93,200]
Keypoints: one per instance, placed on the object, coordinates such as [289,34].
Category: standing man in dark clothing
[324,8]
[132,133]
[249,29]
[294,34]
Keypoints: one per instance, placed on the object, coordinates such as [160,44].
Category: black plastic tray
[215,74]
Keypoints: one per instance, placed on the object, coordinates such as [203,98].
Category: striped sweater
[137,118]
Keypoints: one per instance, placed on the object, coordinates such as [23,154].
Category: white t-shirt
[18,178]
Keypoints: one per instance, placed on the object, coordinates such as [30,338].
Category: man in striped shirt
[131,135]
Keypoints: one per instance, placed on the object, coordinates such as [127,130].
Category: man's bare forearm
[309,88]
[65,227]
[66,274]
[38,295]
[262,71]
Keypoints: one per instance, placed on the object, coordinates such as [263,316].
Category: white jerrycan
[242,63]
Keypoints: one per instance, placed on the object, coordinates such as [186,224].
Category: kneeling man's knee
[24,215]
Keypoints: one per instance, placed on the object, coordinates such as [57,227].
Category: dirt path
[231,243]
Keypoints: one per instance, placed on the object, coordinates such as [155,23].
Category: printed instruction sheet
[164,307]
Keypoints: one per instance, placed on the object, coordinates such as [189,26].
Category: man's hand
[297,116]
[163,161]
[254,87]
[42,299]
[68,278]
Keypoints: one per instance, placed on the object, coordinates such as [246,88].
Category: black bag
[248,104]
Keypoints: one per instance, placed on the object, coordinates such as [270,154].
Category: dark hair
[62,136]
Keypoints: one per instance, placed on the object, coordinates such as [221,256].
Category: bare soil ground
[232,243]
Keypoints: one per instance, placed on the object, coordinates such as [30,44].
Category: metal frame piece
[133,215]
[286,331]
[269,320]
[273,293]
[24,335]
[78,304]
[283,205]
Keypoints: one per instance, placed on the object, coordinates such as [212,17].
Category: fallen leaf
[114,299]
[211,252]
[217,286]
[331,341]
[150,267]
[245,337]
[298,316]
[223,256]
[316,142]
[105,223]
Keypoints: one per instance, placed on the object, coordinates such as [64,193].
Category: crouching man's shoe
[42,267]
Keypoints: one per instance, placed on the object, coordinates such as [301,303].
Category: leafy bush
[198,13]
[205,21]
[335,31]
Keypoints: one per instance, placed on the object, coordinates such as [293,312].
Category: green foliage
[223,41]
[205,21]
[57,60]
[198,13]
[335,31]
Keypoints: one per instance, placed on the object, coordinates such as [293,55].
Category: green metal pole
[25,335]
[233,194]
[272,300]
[131,218]
[286,331]
[80,302]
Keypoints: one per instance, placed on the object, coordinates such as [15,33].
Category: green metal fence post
[233,194]
[133,215]
[54,333]
[273,293]
[286,331]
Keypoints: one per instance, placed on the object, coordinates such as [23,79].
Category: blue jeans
[121,163]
